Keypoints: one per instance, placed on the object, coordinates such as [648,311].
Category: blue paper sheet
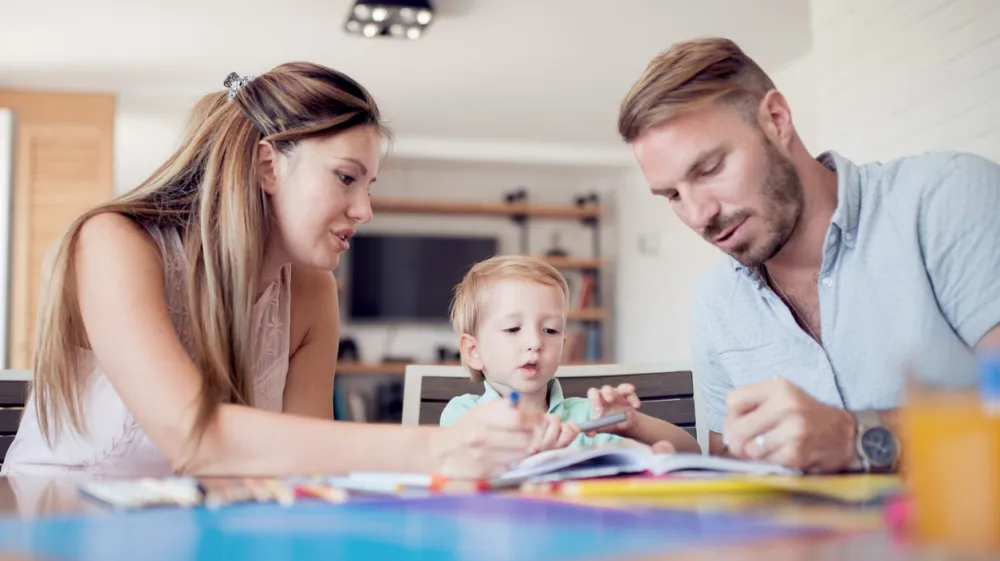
[480,528]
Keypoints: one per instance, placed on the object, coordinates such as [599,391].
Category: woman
[191,325]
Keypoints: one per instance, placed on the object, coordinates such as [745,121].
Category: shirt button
[848,236]
[827,282]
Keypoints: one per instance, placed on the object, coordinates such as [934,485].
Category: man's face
[725,180]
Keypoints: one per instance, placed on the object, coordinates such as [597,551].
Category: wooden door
[63,166]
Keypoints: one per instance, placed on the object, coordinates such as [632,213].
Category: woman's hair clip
[235,83]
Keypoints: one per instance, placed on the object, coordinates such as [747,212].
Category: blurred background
[504,115]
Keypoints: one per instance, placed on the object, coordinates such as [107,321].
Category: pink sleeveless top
[113,443]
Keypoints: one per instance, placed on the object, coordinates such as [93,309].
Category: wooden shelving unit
[573,262]
[351,367]
[398,368]
[589,314]
[476,208]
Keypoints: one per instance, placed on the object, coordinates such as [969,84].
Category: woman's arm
[315,336]
[121,293]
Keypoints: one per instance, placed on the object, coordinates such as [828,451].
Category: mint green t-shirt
[576,409]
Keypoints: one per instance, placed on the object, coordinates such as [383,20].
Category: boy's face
[519,340]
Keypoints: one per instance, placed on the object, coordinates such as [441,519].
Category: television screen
[404,277]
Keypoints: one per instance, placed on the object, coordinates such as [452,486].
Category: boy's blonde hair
[471,294]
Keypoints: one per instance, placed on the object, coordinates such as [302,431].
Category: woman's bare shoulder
[114,232]
[314,302]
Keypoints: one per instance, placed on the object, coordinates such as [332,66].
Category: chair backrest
[13,395]
[666,390]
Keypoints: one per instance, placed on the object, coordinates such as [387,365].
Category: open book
[577,463]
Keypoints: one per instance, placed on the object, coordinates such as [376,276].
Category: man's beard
[782,205]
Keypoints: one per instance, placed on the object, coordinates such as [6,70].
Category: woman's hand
[552,434]
[486,441]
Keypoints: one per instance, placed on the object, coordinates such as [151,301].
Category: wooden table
[856,533]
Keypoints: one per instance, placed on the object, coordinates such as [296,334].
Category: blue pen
[514,398]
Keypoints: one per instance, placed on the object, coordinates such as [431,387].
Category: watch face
[880,447]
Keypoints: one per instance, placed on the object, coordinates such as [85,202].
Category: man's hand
[775,421]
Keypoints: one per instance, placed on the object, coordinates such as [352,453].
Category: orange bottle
[951,462]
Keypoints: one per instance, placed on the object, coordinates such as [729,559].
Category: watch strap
[866,419]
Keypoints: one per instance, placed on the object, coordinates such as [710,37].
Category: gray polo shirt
[910,276]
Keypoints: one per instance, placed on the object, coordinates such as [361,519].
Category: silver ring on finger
[759,441]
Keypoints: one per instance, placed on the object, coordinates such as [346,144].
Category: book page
[672,463]
[550,461]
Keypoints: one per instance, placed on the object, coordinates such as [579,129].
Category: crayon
[281,492]
[327,493]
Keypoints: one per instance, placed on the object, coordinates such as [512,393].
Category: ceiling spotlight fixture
[401,19]
[362,12]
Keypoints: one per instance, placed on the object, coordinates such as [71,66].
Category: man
[838,277]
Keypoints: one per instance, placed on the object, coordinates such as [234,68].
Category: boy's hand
[610,400]
[664,447]
[552,434]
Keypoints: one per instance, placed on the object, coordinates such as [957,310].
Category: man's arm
[990,341]
[960,237]
[712,381]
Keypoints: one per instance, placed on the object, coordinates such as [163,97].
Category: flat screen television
[398,277]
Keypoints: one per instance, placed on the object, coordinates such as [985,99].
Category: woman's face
[319,193]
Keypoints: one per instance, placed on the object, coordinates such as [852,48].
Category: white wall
[659,260]
[797,82]
[146,132]
[898,78]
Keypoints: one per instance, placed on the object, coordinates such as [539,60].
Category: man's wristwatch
[877,447]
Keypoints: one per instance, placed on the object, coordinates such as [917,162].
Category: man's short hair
[689,75]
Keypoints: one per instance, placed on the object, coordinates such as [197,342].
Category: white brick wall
[899,77]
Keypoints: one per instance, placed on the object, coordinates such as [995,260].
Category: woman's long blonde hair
[208,189]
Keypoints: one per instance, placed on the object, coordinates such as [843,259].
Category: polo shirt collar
[848,210]
[554,391]
[845,216]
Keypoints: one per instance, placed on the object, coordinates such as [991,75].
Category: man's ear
[470,351]
[267,167]
[775,117]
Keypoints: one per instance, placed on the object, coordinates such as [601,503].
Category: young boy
[510,314]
